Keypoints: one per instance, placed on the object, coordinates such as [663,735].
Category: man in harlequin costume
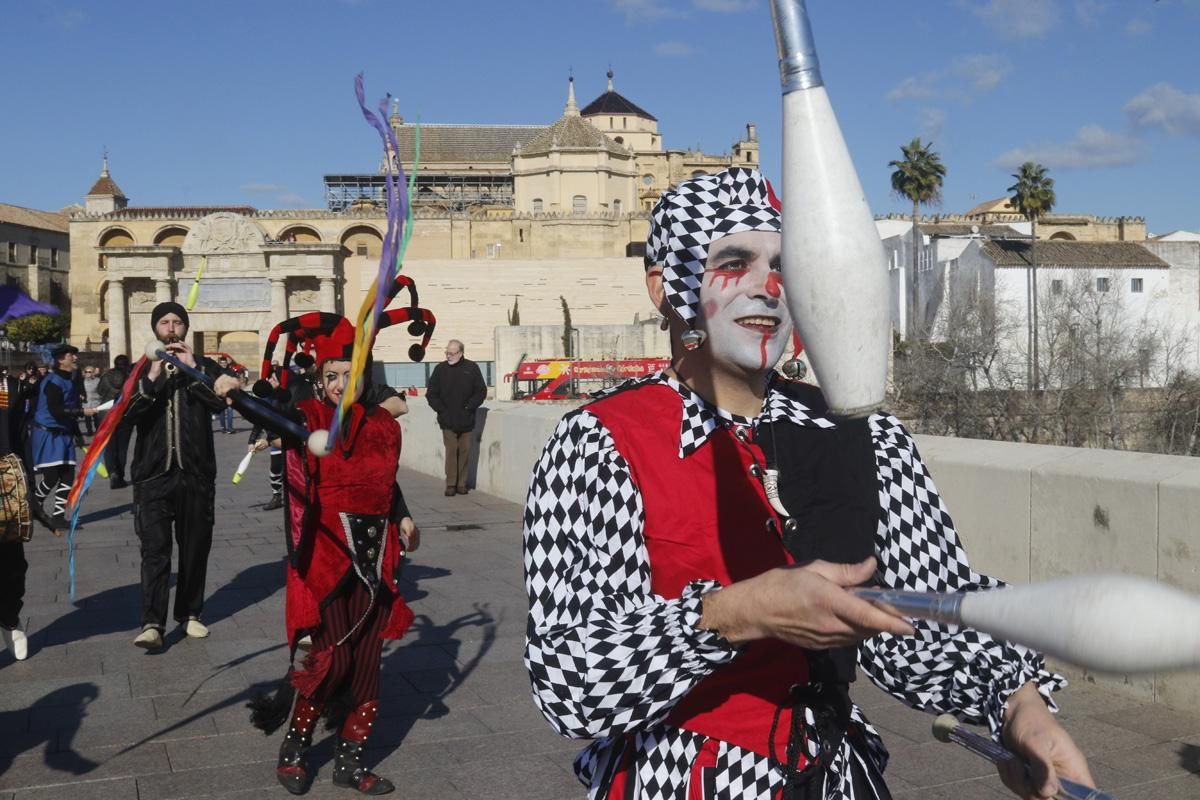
[348,529]
[690,538]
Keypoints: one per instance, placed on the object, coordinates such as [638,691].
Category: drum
[15,523]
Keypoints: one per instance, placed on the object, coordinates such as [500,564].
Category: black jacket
[454,392]
[111,383]
[173,419]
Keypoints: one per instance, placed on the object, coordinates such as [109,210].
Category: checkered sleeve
[944,668]
[605,655]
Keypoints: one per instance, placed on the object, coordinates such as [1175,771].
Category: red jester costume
[346,523]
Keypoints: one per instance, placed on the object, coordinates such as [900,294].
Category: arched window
[579,204]
[537,205]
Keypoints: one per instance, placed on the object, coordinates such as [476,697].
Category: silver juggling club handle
[1112,623]
[947,729]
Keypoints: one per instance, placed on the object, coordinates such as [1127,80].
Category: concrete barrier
[1025,512]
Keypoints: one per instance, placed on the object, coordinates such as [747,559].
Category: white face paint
[742,304]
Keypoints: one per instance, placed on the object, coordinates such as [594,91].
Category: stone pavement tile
[43,665]
[14,722]
[171,679]
[506,746]
[1183,787]
[215,751]
[419,730]
[17,744]
[412,658]
[524,778]
[128,733]
[1094,736]
[113,789]
[387,749]
[68,767]
[978,789]
[1156,721]
[512,714]
[1081,697]
[1134,765]
[438,682]
[39,694]
[227,708]
[935,763]
[97,713]
[205,781]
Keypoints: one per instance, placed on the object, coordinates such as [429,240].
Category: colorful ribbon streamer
[395,244]
[93,460]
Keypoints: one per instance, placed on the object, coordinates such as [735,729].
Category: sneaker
[195,628]
[149,639]
[15,641]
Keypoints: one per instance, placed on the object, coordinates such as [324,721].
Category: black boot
[275,502]
[292,770]
[348,770]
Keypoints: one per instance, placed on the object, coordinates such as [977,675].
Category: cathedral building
[543,213]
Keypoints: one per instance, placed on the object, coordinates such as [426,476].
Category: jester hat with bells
[691,216]
[327,337]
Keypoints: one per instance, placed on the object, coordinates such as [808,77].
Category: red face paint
[726,276]
[797,345]
[766,337]
[774,283]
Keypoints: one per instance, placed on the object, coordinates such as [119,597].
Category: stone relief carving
[304,294]
[139,294]
[227,294]
[224,232]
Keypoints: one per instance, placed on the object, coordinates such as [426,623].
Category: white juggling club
[242,466]
[1106,623]
[947,729]
[834,266]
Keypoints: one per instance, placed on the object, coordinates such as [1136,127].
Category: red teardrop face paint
[742,301]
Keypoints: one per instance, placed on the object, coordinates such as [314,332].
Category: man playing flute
[699,629]
[173,473]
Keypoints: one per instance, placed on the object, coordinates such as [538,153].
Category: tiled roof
[32,218]
[571,131]
[614,103]
[469,143]
[966,229]
[1001,205]
[105,185]
[1056,253]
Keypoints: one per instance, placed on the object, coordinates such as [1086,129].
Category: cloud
[912,87]
[1019,19]
[981,73]
[642,10]
[278,195]
[725,6]
[673,49]
[966,78]
[1137,27]
[932,122]
[1092,147]
[1167,107]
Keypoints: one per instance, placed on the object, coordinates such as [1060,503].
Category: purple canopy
[15,303]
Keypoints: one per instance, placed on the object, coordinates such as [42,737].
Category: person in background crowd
[118,446]
[456,389]
[91,397]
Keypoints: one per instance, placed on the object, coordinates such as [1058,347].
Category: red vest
[708,518]
[361,481]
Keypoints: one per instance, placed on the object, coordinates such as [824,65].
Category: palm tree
[1033,196]
[918,177]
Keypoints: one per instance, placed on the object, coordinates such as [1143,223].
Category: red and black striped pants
[357,660]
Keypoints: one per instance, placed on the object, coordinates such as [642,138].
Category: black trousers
[276,473]
[181,506]
[13,567]
[357,661]
[117,451]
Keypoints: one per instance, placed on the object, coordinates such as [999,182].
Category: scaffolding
[451,192]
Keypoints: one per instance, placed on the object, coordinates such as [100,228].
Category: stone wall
[1025,512]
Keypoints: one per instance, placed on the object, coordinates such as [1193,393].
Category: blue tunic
[53,443]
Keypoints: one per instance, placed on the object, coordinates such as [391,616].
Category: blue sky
[251,102]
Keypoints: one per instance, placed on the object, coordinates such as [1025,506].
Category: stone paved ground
[90,716]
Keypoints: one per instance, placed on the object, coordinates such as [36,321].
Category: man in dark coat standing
[455,390]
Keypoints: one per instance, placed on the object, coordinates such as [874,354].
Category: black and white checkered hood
[690,217]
